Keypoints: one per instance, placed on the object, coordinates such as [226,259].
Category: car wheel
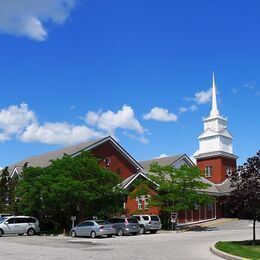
[1,232]
[109,235]
[31,232]
[73,233]
[120,232]
[153,231]
[93,234]
[20,235]
[134,233]
[142,230]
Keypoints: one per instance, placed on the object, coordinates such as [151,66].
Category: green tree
[4,189]
[245,196]
[69,186]
[177,189]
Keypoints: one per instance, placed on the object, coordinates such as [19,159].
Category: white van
[19,225]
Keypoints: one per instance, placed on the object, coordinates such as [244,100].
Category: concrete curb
[225,255]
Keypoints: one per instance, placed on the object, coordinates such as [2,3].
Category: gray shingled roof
[223,188]
[44,160]
[169,160]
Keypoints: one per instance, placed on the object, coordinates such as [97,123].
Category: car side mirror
[6,222]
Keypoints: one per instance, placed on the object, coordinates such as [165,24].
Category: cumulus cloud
[27,17]
[183,110]
[160,114]
[162,156]
[14,119]
[203,97]
[109,121]
[141,139]
[59,133]
[193,107]
[18,121]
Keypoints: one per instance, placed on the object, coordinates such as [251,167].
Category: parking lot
[164,245]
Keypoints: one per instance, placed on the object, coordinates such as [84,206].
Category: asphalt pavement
[164,245]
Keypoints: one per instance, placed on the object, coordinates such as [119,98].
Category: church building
[215,158]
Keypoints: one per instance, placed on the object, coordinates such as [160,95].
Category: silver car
[93,228]
[151,223]
[19,225]
[125,226]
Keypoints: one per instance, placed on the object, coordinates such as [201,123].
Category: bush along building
[214,158]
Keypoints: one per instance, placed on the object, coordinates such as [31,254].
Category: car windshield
[2,220]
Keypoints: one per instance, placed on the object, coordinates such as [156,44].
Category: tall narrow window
[146,202]
[140,203]
[208,171]
[228,171]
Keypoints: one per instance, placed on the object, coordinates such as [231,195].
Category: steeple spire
[214,110]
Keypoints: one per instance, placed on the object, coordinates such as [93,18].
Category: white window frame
[140,203]
[229,171]
[146,201]
[208,171]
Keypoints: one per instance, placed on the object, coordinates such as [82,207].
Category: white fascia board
[144,176]
[121,149]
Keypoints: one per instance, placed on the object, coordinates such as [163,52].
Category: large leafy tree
[4,177]
[69,186]
[245,196]
[176,189]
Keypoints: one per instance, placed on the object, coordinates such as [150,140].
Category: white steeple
[214,109]
[215,139]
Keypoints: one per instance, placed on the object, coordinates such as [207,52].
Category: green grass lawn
[240,248]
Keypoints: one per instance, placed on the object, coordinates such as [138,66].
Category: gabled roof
[169,160]
[127,183]
[44,160]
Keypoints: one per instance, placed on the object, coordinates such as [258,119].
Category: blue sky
[75,70]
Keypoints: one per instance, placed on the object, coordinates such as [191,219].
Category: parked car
[93,228]
[19,225]
[151,223]
[125,226]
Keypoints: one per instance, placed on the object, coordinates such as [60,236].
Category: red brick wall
[118,164]
[131,206]
[219,165]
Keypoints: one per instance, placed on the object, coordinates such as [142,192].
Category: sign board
[174,217]
[72,218]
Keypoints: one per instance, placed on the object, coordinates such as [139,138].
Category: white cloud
[18,121]
[160,114]
[140,139]
[110,121]
[203,97]
[59,133]
[162,156]
[14,119]
[193,107]
[183,109]
[250,85]
[27,17]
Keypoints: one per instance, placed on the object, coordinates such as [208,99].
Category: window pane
[132,220]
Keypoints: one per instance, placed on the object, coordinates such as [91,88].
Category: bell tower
[215,156]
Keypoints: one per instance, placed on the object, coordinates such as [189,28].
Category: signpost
[73,218]
[174,217]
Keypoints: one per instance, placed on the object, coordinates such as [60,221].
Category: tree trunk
[254,232]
